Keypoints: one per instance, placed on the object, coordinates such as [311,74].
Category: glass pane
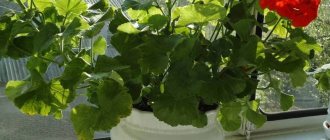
[308,96]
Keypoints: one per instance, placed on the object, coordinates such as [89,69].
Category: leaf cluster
[167,56]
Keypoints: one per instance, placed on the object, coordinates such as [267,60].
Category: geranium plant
[174,58]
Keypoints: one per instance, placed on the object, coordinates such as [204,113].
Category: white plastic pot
[326,124]
[326,129]
[142,125]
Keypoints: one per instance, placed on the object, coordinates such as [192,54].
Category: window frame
[287,114]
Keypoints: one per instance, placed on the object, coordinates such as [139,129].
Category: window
[308,99]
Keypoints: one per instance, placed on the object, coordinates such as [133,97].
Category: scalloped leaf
[114,103]
[198,13]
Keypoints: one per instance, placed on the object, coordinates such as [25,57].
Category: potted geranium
[167,63]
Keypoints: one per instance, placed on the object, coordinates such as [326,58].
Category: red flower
[300,12]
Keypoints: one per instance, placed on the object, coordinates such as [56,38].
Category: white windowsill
[307,128]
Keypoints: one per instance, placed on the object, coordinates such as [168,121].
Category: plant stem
[169,8]
[215,29]
[31,4]
[49,60]
[173,4]
[62,45]
[20,4]
[218,31]
[160,8]
[91,52]
[80,43]
[87,86]
[271,32]
[66,16]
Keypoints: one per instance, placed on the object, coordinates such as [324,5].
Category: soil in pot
[144,106]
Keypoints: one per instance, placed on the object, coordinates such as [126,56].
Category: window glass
[308,96]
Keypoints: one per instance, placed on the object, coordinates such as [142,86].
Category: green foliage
[229,116]
[70,9]
[113,103]
[166,56]
[100,46]
[198,13]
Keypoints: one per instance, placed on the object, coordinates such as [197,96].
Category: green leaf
[43,39]
[42,4]
[219,2]
[179,82]
[35,102]
[75,27]
[21,27]
[61,97]
[137,5]
[84,118]
[72,73]
[108,64]
[94,30]
[17,88]
[183,50]
[36,97]
[271,18]
[286,101]
[51,15]
[128,28]
[114,103]
[124,42]
[119,19]
[247,54]
[155,53]
[153,61]
[157,21]
[304,48]
[281,29]
[179,111]
[229,116]
[109,14]
[21,47]
[287,65]
[103,5]
[70,8]
[243,28]
[100,46]
[323,80]
[225,87]
[113,75]
[38,64]
[198,13]
[219,49]
[256,118]
[5,31]
[298,78]
[4,42]
[143,16]
[238,12]
[136,14]
[211,92]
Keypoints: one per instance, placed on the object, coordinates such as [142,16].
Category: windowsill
[307,128]
[314,134]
